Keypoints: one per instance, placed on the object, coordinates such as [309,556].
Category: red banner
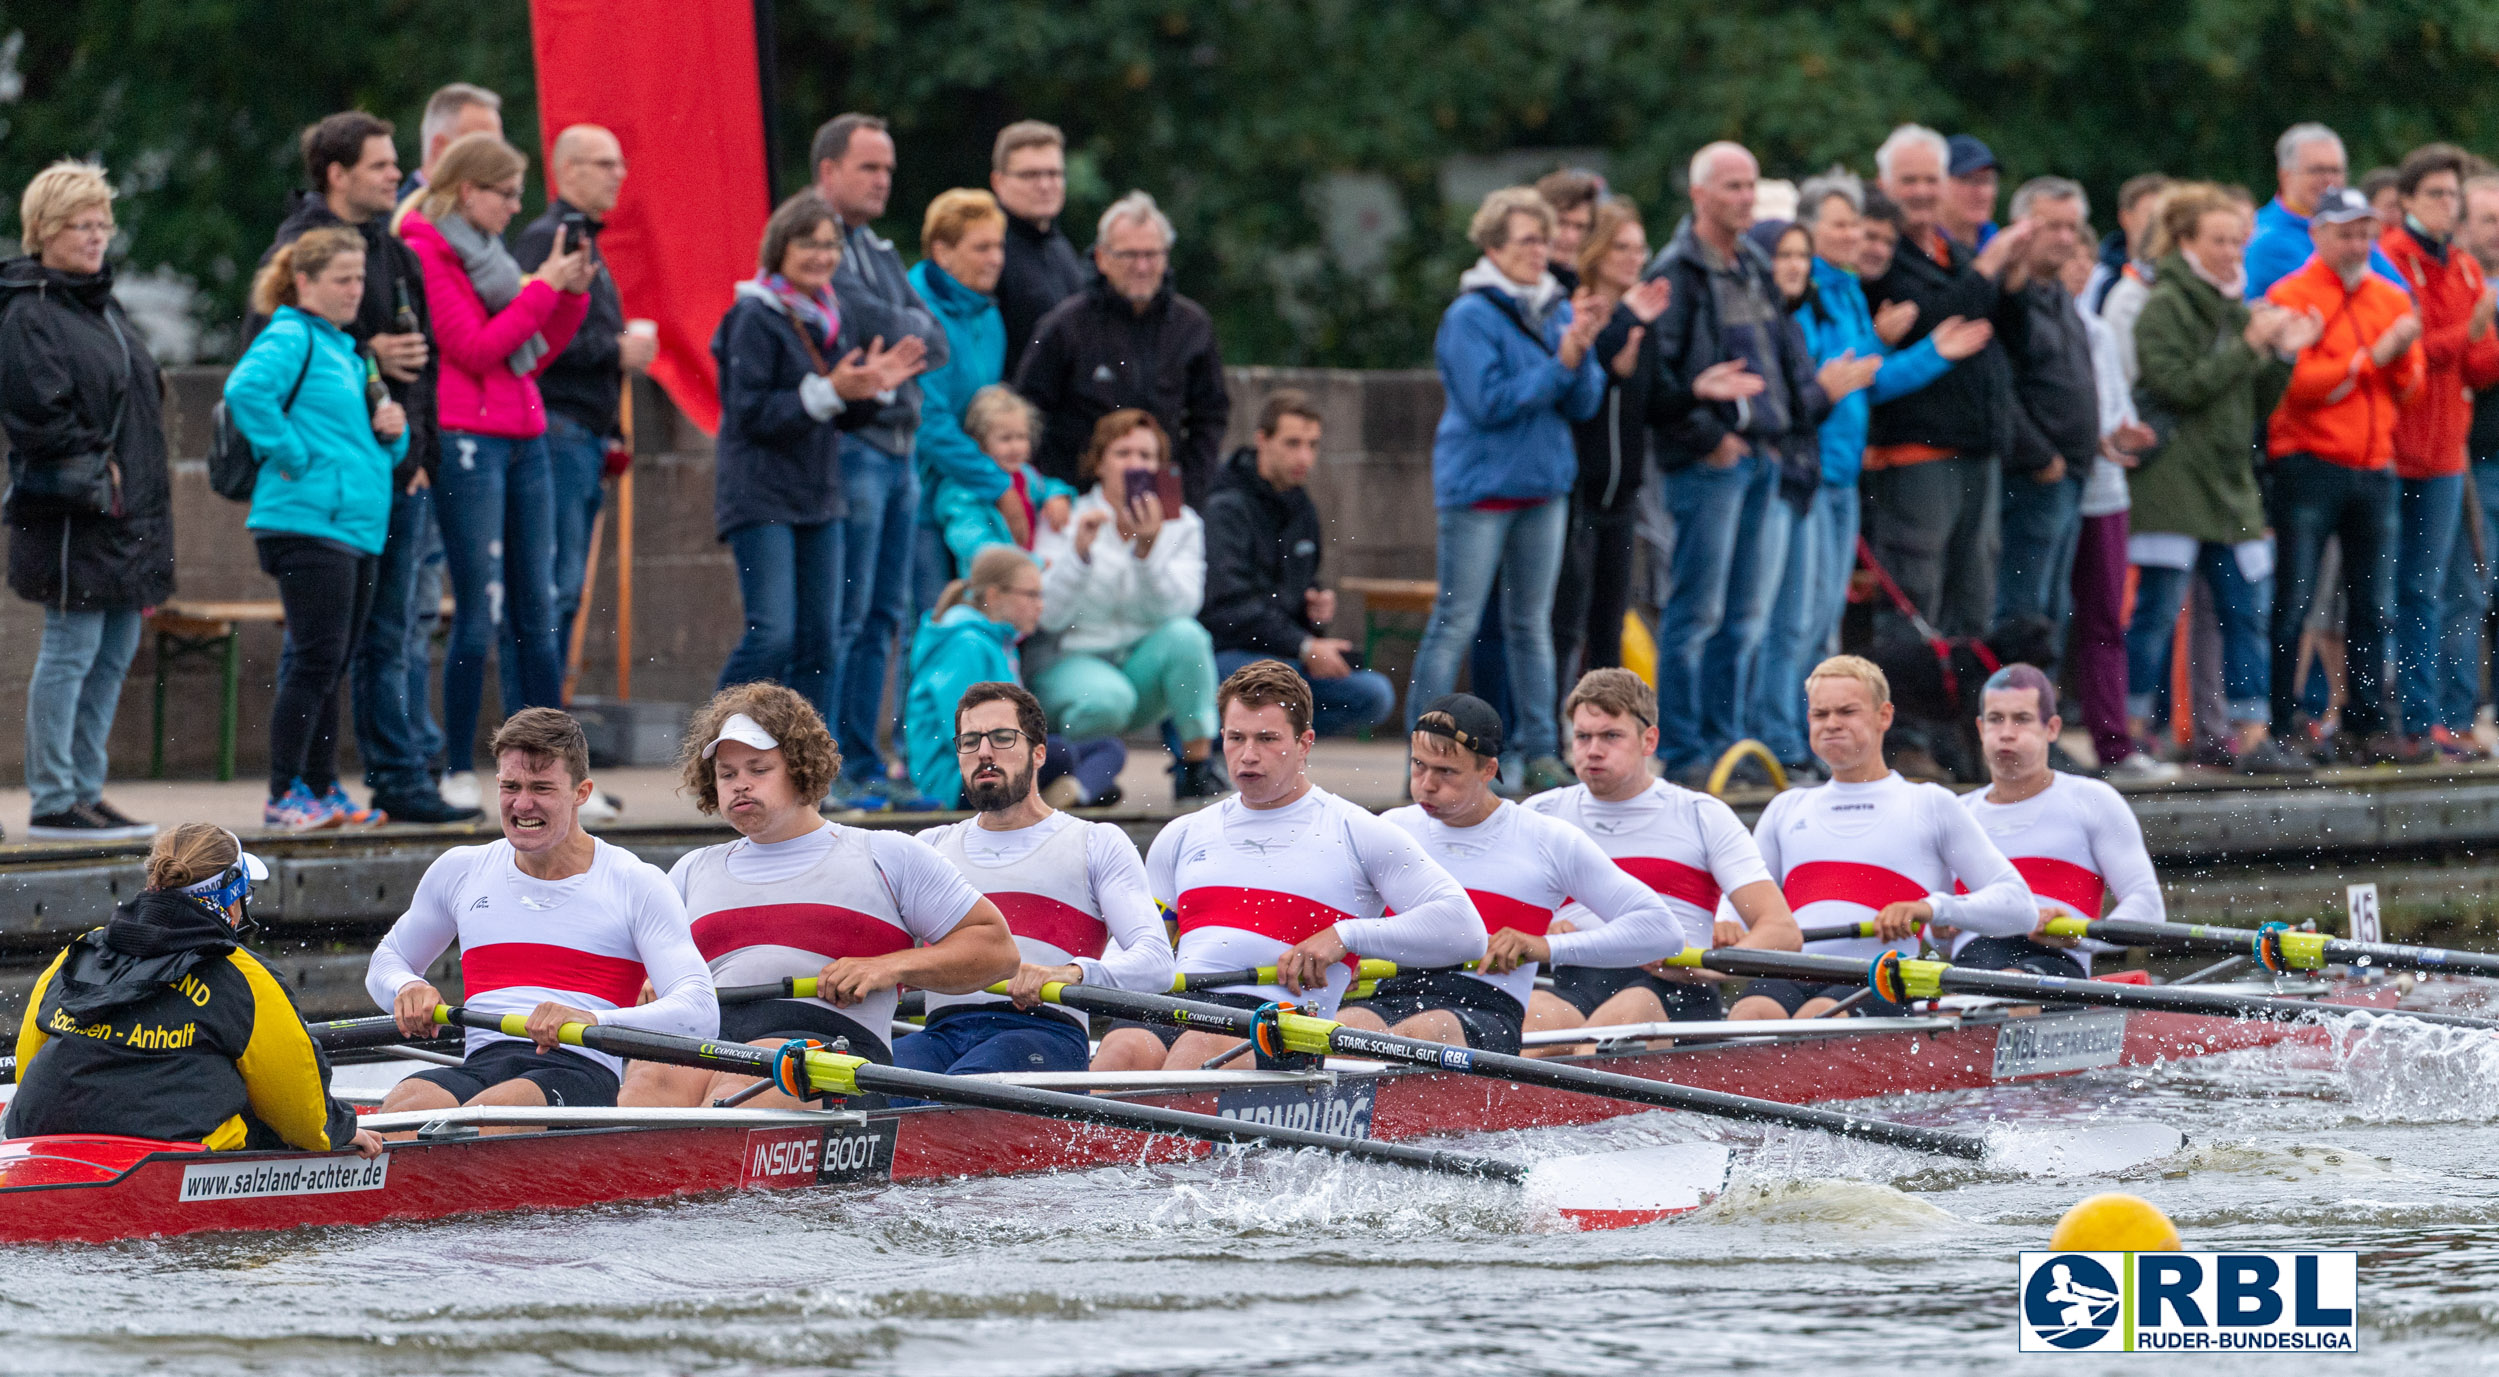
[677,83]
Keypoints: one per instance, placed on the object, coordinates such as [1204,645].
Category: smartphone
[577,228]
[1163,483]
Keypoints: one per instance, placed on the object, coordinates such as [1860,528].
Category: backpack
[233,468]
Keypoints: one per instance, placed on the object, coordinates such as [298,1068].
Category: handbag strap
[112,434]
[302,373]
[815,356]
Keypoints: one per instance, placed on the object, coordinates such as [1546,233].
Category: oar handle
[1833,932]
[352,1034]
[1260,975]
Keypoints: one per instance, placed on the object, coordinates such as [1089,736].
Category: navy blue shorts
[564,1076]
[968,1040]
[1586,987]
[783,1019]
[1793,995]
[1493,1021]
[2018,954]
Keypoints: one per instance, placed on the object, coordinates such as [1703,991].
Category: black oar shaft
[351,1034]
[1359,1042]
[1016,1099]
[2242,941]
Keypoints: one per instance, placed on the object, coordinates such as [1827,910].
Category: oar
[1266,975]
[1900,979]
[2278,947]
[1606,1189]
[1835,931]
[351,1034]
[1280,1030]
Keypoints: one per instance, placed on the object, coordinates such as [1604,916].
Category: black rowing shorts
[1793,995]
[1291,1061]
[1586,988]
[782,1019]
[2018,954]
[564,1076]
[1492,1020]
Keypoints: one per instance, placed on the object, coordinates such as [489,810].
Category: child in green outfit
[1002,424]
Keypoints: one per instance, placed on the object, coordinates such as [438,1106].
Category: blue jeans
[1813,592]
[2311,500]
[495,499]
[789,580]
[1731,539]
[70,701]
[971,1041]
[878,555]
[2240,606]
[2035,567]
[2432,513]
[389,699]
[2467,605]
[1340,707]
[1523,547]
[576,466]
[433,574]
[932,568]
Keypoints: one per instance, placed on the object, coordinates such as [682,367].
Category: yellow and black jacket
[157,1025]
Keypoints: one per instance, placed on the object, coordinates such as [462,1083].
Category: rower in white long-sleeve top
[1286,874]
[2073,838]
[1073,892]
[1871,845]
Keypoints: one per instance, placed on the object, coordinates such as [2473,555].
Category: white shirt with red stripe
[1250,883]
[588,941]
[2075,841]
[1688,846]
[762,913]
[1073,893]
[1519,867]
[1841,852]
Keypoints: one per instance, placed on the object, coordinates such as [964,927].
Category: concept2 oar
[1603,1190]
[804,986]
[2278,947]
[1901,979]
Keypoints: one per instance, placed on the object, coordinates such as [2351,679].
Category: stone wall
[1373,487]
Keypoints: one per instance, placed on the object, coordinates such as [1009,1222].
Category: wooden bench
[200,630]
[1399,598]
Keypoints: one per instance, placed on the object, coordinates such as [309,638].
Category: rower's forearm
[961,970]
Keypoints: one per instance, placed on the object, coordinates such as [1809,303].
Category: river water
[1820,1258]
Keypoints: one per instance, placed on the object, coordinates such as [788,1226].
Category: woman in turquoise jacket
[964,236]
[327,438]
[970,639]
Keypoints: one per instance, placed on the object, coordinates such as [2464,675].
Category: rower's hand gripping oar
[2279,947]
[1610,1190]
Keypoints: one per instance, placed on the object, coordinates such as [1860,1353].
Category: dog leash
[1936,641]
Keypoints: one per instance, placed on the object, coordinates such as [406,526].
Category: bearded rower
[1687,846]
[795,896]
[1286,874]
[1073,893]
[1518,867]
[2074,839]
[552,923]
[1871,845]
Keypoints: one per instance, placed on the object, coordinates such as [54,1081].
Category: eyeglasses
[509,193]
[1001,739]
[104,227]
[818,245]
[605,164]
[1037,174]
[1138,256]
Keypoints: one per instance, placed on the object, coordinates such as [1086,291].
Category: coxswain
[1871,845]
[1073,893]
[160,1025]
[2074,839]
[1519,867]
[553,924]
[1285,874]
[1688,846]
[795,896]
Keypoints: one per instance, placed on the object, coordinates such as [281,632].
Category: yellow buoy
[2115,1222]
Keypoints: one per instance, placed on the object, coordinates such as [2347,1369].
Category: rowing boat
[99,1189]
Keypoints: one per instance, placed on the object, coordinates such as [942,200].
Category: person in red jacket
[2332,441]
[2456,307]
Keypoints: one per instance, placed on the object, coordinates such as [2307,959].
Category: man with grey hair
[1730,470]
[1129,340]
[451,112]
[2056,409]
[2308,162]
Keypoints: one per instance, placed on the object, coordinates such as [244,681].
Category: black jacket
[63,377]
[1042,270]
[1691,337]
[2482,442]
[1095,354]
[584,381]
[1262,558]
[2056,412]
[1970,409]
[1613,445]
[773,463]
[157,1025]
[388,264]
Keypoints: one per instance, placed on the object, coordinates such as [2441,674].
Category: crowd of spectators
[2266,434]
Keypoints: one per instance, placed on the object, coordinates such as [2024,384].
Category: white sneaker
[601,810]
[2142,767]
[460,789]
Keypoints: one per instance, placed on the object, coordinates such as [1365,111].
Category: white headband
[744,730]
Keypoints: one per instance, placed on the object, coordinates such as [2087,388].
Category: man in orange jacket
[2456,308]
[2332,441]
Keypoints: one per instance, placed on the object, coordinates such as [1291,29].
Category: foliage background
[1229,110]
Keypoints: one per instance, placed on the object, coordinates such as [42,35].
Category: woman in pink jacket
[496,331]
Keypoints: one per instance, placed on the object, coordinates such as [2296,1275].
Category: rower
[1687,846]
[1284,873]
[1871,845]
[1073,893]
[860,911]
[552,923]
[2073,838]
[158,1025]
[1518,868]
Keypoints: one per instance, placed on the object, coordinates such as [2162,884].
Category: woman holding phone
[1121,586]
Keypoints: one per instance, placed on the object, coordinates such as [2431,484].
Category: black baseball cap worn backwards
[1465,719]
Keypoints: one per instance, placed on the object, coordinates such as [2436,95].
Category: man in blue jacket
[2308,162]
[1517,370]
